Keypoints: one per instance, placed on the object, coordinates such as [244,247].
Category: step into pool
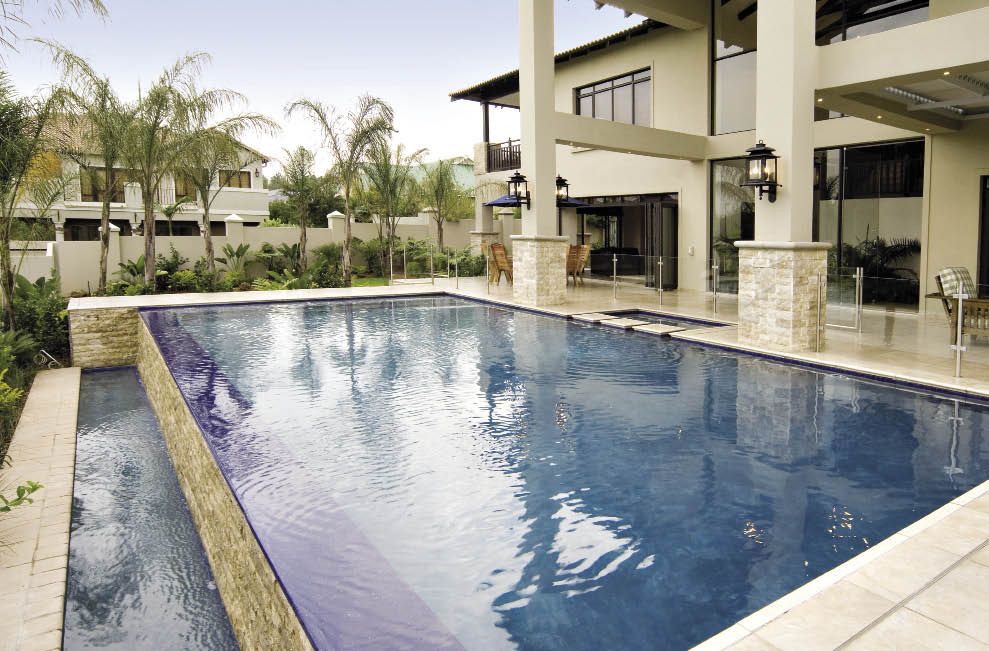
[138,577]
[662,319]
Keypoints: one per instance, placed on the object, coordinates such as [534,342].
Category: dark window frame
[236,174]
[587,90]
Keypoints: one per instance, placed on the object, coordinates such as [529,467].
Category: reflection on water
[515,480]
[138,578]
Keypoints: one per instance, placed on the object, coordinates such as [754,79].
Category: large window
[621,99]
[184,188]
[734,53]
[93,183]
[732,219]
[232,179]
[868,204]
[733,45]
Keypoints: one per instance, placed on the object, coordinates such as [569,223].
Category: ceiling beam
[891,112]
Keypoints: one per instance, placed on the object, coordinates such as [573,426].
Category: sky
[411,54]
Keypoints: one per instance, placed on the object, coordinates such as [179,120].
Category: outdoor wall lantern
[761,170]
[562,188]
[518,187]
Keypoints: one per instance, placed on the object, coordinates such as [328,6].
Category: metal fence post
[391,267]
[405,264]
[432,276]
[659,281]
[717,281]
[614,275]
[456,270]
[957,346]
[859,284]
[820,298]
[487,273]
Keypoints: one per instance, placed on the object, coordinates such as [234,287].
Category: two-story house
[877,110]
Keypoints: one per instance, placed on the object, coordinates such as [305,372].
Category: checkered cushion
[955,279]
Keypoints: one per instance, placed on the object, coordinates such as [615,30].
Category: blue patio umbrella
[512,201]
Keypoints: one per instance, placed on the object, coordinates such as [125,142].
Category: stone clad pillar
[778,272]
[539,264]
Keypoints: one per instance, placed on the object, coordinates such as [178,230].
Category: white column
[235,229]
[540,256]
[785,76]
[779,271]
[537,106]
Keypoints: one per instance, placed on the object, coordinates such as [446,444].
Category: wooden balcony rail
[503,156]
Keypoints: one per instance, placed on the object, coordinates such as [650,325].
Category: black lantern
[760,170]
[562,188]
[518,187]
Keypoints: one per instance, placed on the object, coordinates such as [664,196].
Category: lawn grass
[371,281]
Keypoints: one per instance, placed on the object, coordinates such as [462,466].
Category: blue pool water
[138,578]
[438,473]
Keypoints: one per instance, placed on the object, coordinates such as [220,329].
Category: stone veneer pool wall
[260,613]
[103,337]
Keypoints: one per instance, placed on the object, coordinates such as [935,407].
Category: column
[540,256]
[778,272]
[484,232]
[235,229]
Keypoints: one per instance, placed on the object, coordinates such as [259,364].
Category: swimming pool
[441,473]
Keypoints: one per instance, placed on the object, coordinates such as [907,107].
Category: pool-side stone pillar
[539,266]
[778,294]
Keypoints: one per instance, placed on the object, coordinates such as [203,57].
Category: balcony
[503,156]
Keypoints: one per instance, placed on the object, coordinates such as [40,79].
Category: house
[77,216]
[877,111]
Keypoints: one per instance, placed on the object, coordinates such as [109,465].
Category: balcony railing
[504,156]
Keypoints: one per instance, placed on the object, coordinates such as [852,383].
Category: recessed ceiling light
[947,72]
[879,117]
[927,129]
[820,99]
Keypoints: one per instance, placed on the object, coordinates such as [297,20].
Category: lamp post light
[562,194]
[518,187]
[760,171]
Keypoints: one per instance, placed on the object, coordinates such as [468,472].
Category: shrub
[18,346]
[323,274]
[235,259]
[117,287]
[232,281]
[330,254]
[132,271]
[40,309]
[183,281]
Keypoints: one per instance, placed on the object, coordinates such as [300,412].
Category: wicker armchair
[975,311]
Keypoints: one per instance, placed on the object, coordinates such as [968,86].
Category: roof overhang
[497,88]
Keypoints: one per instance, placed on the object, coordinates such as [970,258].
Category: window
[732,219]
[842,20]
[620,99]
[93,183]
[184,188]
[869,203]
[232,179]
[734,55]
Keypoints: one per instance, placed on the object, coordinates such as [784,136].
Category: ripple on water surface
[519,481]
[138,578]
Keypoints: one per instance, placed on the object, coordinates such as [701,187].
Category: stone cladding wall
[539,268]
[103,337]
[778,296]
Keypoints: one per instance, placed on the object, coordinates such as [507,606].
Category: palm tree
[215,155]
[348,138]
[389,174]
[97,123]
[162,134]
[25,138]
[449,200]
[12,13]
[169,211]
[300,185]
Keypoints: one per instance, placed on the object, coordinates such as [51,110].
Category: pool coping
[755,623]
[35,537]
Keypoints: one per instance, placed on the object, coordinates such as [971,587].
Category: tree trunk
[439,231]
[104,242]
[7,275]
[302,239]
[346,239]
[149,242]
[208,241]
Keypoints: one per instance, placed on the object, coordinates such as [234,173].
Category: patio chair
[576,261]
[499,264]
[975,311]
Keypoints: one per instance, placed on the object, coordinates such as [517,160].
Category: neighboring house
[77,217]
[651,125]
